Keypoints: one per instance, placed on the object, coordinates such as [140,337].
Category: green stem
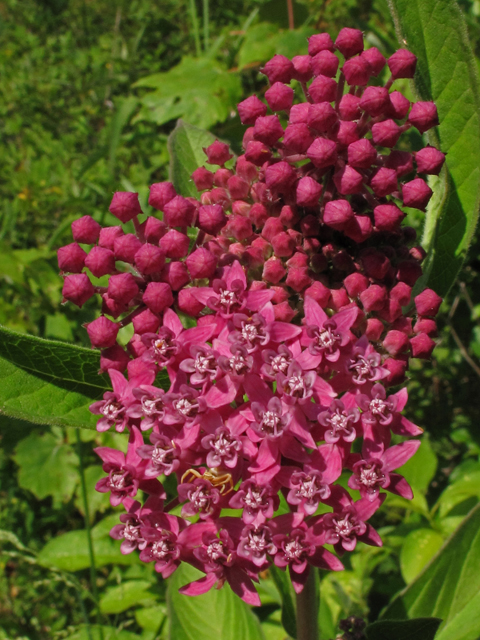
[196,31]
[206,18]
[91,553]
[307,609]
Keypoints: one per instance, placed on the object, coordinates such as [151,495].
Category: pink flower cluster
[299,276]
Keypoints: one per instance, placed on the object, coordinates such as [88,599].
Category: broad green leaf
[448,587]
[216,614]
[48,382]
[185,146]
[47,467]
[420,469]
[418,629]
[434,30]
[95,632]
[198,89]
[418,549]
[126,595]
[97,502]
[466,487]
[287,594]
[264,40]
[150,618]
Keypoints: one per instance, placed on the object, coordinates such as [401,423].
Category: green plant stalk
[206,17]
[91,553]
[196,30]
[307,609]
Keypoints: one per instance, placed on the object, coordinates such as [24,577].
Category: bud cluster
[300,282]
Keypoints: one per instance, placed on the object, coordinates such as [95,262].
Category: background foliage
[90,92]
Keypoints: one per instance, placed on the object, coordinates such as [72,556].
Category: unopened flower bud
[297,138]
[175,244]
[402,64]
[321,117]
[320,293]
[273,271]
[125,205]
[267,130]
[125,247]
[358,228]
[160,194]
[284,312]
[245,169]
[337,213]
[308,192]
[322,152]
[401,161]
[158,296]
[114,358]
[251,109]
[258,215]
[108,236]
[299,113]
[218,153]
[347,133]
[375,59]
[280,177]
[348,180]
[188,303]
[298,278]
[423,116]
[211,219]
[397,370]
[373,298]
[279,97]
[349,42]
[399,105]
[374,329]
[238,227]
[384,182]
[395,343]
[71,258]
[221,177]
[339,299]
[323,89]
[361,154]
[100,261]
[357,72]
[283,245]
[122,288]
[257,152]
[416,194]
[375,263]
[428,303]
[77,288]
[278,69]
[320,42]
[175,273]
[429,160]
[85,230]
[289,216]
[145,322]
[102,332]
[426,325]
[355,284]
[203,178]
[241,208]
[309,225]
[238,188]
[179,212]
[408,271]
[401,292]
[201,263]
[325,63]
[149,259]
[375,101]
[422,346]
[154,229]
[302,68]
[386,133]
[349,107]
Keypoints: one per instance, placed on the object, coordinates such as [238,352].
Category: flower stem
[307,609]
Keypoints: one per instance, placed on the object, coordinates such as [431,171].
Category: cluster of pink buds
[299,281]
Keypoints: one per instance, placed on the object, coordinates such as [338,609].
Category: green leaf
[264,40]
[216,614]
[48,382]
[47,467]
[185,146]
[420,470]
[96,632]
[418,549]
[418,629]
[197,89]
[466,487]
[435,31]
[125,595]
[97,502]
[448,587]
[287,594]
[150,618]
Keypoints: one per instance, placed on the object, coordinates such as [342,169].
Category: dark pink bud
[310,226]
[175,244]
[108,236]
[395,343]
[428,303]
[238,227]
[375,263]
[401,161]
[145,322]
[297,138]
[302,68]
[221,177]
[403,324]
[289,216]
[348,180]
[399,105]
[279,69]
[273,271]
[179,212]
[337,213]
[273,226]
[375,101]
[241,208]
[322,117]
[85,230]
[423,116]
[347,133]
[258,153]
[308,192]
[125,205]
[298,278]
[422,346]
[358,229]
[349,107]
[401,292]
[361,154]
[386,133]
[71,258]
[245,169]
[429,160]
[102,332]
[100,261]
[122,288]
[112,307]
[355,284]
[283,245]
[218,153]
[154,229]
[258,214]
[322,152]
[203,178]
[188,303]
[279,97]
[238,188]
[176,275]
[267,130]
[402,64]
[397,370]
[357,72]
[375,59]
[298,260]
[136,348]
[251,109]
[320,293]
[149,259]
[325,63]
[216,196]
[126,247]
[391,312]
[339,299]
[114,358]
[201,263]
[78,289]
[374,329]
[388,217]
[320,42]
[280,177]
[247,137]
[416,194]
[349,42]
[160,194]
[373,298]
[409,272]
[426,325]
[211,219]
[384,182]
[261,193]
[284,312]
[299,113]
[158,296]
[418,253]
[323,89]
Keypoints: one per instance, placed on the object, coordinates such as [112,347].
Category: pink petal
[323,391]
[257,390]
[235,272]
[119,383]
[308,361]
[402,397]
[199,586]
[242,585]
[398,455]
[345,318]
[221,394]
[406,428]
[314,314]
[198,334]
[172,322]
[268,455]
[111,455]
[400,486]
[366,508]
[371,537]
[326,560]
[256,300]
[203,294]
[332,461]
[281,331]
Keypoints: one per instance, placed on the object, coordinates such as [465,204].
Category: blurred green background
[90,90]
